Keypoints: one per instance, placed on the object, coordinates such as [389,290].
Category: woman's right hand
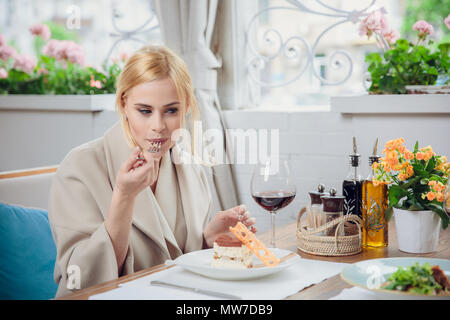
[138,172]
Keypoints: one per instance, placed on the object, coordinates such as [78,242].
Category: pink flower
[41,30]
[95,84]
[447,21]
[424,28]
[2,40]
[7,52]
[3,73]
[374,22]
[123,56]
[42,71]
[64,50]
[391,36]
[25,63]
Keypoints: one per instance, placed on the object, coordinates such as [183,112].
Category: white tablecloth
[289,281]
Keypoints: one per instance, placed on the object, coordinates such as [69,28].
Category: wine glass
[272,188]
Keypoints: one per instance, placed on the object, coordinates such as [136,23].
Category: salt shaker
[333,208]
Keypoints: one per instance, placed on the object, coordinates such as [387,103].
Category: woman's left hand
[222,222]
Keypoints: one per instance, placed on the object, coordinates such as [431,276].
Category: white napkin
[147,293]
[277,286]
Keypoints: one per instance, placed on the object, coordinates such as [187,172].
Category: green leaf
[388,213]
[410,183]
[437,208]
[402,44]
[431,164]
[395,193]
[415,205]
[373,57]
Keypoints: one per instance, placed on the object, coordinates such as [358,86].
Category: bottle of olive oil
[374,204]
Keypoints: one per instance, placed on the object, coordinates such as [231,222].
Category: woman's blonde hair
[153,63]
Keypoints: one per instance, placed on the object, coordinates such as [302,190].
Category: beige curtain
[187,27]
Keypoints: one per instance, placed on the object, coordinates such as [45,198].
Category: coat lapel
[195,197]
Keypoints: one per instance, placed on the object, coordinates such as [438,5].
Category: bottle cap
[354,159]
[373,159]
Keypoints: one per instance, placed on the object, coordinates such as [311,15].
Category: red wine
[273,200]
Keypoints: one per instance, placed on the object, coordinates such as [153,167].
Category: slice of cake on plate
[231,253]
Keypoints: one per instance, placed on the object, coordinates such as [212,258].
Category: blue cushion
[27,254]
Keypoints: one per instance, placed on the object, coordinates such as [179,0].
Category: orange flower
[402,177]
[420,156]
[427,148]
[432,183]
[375,182]
[404,165]
[410,170]
[409,155]
[440,197]
[391,155]
[431,196]
[428,155]
[439,187]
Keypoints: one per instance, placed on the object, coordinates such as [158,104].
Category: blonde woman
[126,201]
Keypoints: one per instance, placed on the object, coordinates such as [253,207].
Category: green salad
[415,279]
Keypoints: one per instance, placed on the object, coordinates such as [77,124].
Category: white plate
[370,274]
[199,262]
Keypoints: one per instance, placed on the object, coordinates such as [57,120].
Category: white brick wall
[311,141]
[318,144]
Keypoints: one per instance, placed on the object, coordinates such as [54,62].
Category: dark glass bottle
[352,188]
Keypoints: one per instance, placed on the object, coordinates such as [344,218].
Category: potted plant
[58,69]
[404,66]
[417,182]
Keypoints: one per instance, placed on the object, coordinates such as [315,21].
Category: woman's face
[153,112]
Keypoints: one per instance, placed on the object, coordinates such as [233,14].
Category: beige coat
[165,224]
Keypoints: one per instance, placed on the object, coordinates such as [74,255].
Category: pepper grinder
[333,208]
[316,217]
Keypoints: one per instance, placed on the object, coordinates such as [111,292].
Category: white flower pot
[417,231]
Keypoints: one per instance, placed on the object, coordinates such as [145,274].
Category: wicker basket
[308,241]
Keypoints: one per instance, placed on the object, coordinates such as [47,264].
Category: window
[95,25]
[297,57]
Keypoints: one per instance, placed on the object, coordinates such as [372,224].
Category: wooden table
[286,239]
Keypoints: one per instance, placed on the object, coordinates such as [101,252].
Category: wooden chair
[28,188]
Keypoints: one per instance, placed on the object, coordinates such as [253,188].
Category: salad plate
[374,275]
